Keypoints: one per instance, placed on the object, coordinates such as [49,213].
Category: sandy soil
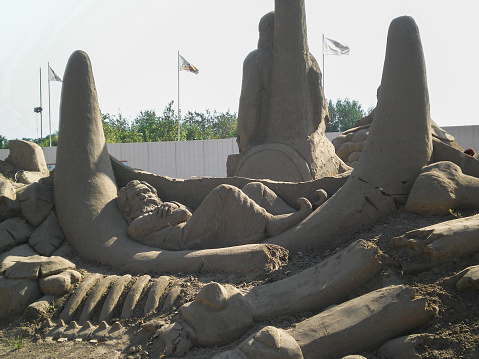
[454,332]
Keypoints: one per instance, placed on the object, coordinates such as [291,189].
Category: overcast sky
[133,48]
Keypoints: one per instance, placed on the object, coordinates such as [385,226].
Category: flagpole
[49,108]
[323,62]
[179,115]
[41,110]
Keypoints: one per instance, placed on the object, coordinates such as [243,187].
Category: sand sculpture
[227,217]
[381,180]
[372,195]
[350,143]
[342,305]
[442,187]
[94,177]
[256,89]
[282,112]
[430,246]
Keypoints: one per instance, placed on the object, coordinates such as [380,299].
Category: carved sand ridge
[87,298]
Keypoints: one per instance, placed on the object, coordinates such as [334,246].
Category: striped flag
[186,66]
[332,47]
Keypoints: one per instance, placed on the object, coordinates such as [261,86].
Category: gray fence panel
[162,158]
[189,159]
[215,153]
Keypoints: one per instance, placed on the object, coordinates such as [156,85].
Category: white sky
[133,49]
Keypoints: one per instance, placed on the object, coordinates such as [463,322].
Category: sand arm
[165,215]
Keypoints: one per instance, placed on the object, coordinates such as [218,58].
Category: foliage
[45,141]
[16,343]
[455,214]
[150,127]
[343,114]
[3,142]
[209,125]
[153,128]
[117,129]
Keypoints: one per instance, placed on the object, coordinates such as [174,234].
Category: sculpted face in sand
[136,199]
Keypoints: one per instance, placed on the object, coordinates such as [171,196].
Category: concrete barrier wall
[187,159]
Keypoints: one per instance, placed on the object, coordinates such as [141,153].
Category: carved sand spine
[398,146]
[86,191]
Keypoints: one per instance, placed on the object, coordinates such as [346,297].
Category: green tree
[146,126]
[224,125]
[343,114]
[153,128]
[38,141]
[168,124]
[44,142]
[195,126]
[209,125]
[150,127]
[117,129]
[54,140]
[3,142]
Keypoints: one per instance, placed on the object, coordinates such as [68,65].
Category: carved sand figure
[255,91]
[89,215]
[283,113]
[192,192]
[227,217]
[371,191]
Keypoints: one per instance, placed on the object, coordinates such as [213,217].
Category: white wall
[187,159]
[465,136]
[182,159]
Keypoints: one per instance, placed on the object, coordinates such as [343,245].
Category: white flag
[52,76]
[332,47]
[186,66]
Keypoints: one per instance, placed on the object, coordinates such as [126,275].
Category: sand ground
[454,331]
